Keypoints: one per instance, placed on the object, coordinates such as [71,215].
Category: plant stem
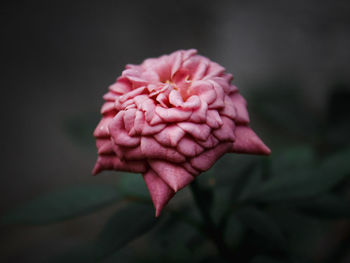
[213,232]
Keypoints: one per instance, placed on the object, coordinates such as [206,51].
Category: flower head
[170,119]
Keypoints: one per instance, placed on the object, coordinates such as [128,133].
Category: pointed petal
[112,162]
[206,160]
[248,142]
[174,175]
[160,192]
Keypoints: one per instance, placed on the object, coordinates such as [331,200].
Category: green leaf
[81,127]
[337,165]
[253,182]
[127,224]
[266,259]
[131,184]
[305,183]
[326,206]
[63,204]
[283,108]
[293,159]
[232,169]
[261,223]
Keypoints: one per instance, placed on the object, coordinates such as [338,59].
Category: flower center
[181,85]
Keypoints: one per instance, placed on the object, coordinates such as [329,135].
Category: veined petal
[248,142]
[174,175]
[160,192]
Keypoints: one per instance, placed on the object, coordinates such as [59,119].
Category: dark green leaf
[337,166]
[293,159]
[124,226]
[283,108]
[131,184]
[234,231]
[232,170]
[63,204]
[253,182]
[81,127]
[266,259]
[327,206]
[305,183]
[261,223]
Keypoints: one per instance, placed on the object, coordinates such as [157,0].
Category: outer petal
[153,150]
[160,192]
[174,175]
[112,162]
[206,160]
[102,128]
[240,105]
[119,135]
[248,142]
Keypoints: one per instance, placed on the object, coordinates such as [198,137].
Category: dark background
[58,58]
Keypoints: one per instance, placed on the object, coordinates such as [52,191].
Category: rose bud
[170,119]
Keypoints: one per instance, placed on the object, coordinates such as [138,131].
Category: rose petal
[209,143]
[197,130]
[102,127]
[214,120]
[172,114]
[174,175]
[227,131]
[200,115]
[153,150]
[141,127]
[206,160]
[248,142]
[175,98]
[132,94]
[190,169]
[129,119]
[188,147]
[122,86]
[106,147]
[119,135]
[111,162]
[170,136]
[229,110]
[240,105]
[160,192]
[107,107]
[110,96]
[204,89]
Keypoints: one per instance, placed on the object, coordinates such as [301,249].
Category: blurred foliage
[290,207]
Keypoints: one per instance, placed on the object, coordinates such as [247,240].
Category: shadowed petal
[174,175]
[248,142]
[206,160]
[154,150]
[160,192]
[112,162]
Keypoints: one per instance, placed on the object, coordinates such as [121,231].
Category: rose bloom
[170,119]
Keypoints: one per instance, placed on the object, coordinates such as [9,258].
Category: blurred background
[290,58]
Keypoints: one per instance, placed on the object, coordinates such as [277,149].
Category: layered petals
[171,118]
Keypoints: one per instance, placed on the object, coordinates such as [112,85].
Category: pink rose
[170,119]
